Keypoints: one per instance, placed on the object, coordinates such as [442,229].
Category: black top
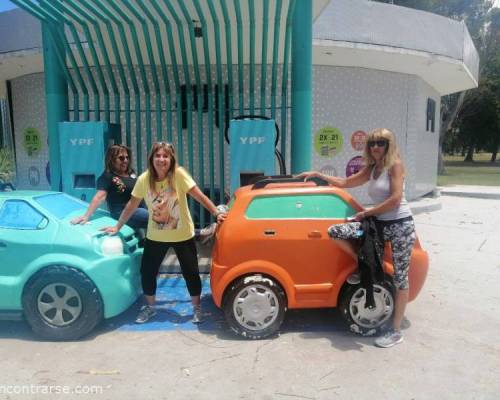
[119,190]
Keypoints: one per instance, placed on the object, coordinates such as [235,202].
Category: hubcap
[59,304]
[255,307]
[371,317]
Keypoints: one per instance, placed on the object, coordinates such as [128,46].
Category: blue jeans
[138,220]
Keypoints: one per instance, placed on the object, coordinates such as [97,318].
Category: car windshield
[60,204]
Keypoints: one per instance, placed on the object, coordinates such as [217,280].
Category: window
[431,115]
[60,204]
[317,206]
[18,214]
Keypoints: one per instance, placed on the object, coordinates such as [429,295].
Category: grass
[480,172]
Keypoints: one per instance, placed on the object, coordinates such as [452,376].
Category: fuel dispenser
[253,141]
[83,147]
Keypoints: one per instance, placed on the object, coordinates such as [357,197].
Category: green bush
[6,165]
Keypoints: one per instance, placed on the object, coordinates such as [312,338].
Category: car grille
[131,243]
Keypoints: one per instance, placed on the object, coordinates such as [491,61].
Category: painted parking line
[174,312]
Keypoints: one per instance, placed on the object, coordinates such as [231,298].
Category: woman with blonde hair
[164,187]
[384,172]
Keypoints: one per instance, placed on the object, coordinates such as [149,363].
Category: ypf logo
[82,142]
[252,139]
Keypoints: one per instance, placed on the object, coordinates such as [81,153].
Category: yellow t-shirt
[169,217]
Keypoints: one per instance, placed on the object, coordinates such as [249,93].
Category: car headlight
[112,246]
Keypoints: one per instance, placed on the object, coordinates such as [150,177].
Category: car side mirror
[43,223]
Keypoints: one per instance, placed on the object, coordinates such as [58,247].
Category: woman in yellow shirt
[164,187]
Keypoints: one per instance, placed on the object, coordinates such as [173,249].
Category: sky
[6,5]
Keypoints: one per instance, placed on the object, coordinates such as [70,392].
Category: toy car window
[18,214]
[314,206]
[60,204]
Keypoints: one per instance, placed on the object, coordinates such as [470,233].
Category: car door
[295,226]
[25,235]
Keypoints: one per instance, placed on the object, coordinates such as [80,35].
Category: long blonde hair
[153,176]
[391,151]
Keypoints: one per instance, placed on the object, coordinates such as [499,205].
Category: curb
[433,205]
[474,195]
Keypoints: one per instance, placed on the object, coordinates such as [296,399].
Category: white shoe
[145,314]
[389,339]
[197,315]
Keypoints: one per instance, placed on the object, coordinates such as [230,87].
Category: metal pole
[56,93]
[301,87]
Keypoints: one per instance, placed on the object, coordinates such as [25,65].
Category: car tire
[363,321]
[255,306]
[62,303]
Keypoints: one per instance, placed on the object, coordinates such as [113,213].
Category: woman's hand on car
[308,175]
[80,220]
[112,230]
[220,217]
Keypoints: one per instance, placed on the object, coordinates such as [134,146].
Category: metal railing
[174,70]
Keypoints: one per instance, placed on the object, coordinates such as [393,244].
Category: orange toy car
[273,252]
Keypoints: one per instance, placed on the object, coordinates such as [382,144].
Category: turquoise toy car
[63,278]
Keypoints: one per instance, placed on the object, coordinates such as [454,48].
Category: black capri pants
[154,253]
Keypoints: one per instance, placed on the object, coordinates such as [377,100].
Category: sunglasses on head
[167,144]
[379,143]
[122,158]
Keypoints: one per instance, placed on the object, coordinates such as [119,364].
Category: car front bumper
[118,281]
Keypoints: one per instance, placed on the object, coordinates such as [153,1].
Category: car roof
[280,189]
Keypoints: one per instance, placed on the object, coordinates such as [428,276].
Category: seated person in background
[115,186]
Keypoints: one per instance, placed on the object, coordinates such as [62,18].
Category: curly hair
[112,153]
[391,150]
[153,176]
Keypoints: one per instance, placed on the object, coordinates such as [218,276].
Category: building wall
[426,142]
[30,112]
[348,99]
[354,100]
[30,118]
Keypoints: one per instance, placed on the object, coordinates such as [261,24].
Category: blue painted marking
[174,312]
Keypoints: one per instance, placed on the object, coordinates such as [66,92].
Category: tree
[478,119]
[483,23]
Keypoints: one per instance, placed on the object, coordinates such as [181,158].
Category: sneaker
[389,339]
[197,316]
[354,279]
[147,312]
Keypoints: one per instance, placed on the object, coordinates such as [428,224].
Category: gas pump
[83,147]
[253,140]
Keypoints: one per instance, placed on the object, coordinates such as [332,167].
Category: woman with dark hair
[115,186]
[384,172]
[164,187]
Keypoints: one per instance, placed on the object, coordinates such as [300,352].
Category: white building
[374,65]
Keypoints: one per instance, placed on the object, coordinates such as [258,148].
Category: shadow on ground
[175,313]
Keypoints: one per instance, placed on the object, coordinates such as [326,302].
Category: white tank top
[379,190]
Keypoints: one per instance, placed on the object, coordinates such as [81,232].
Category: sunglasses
[379,143]
[166,144]
[122,158]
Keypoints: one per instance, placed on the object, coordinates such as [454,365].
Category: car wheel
[61,303]
[255,306]
[366,321]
